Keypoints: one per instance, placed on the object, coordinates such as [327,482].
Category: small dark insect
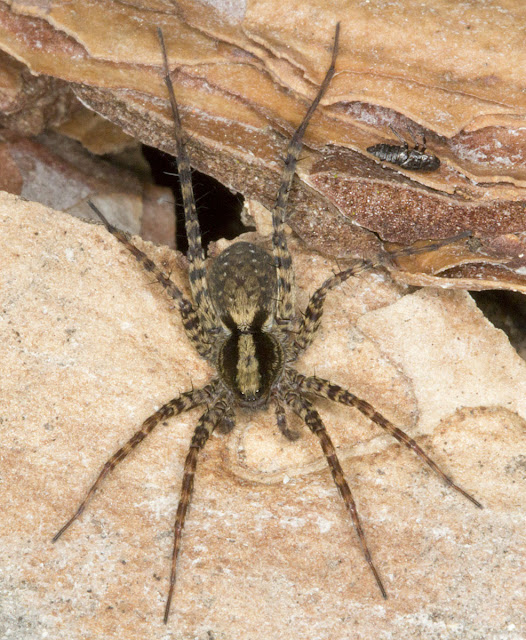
[243,320]
[415,159]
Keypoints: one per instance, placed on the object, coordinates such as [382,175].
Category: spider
[415,159]
[243,321]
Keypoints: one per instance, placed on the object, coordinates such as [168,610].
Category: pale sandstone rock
[90,348]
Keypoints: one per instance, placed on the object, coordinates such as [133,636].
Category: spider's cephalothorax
[243,321]
[415,159]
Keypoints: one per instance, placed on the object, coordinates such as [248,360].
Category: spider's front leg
[207,423]
[326,389]
[312,419]
[184,402]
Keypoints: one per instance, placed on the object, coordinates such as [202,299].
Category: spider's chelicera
[243,321]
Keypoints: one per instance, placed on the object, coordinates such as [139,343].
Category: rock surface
[90,347]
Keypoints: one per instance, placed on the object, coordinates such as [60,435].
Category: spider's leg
[196,254]
[282,258]
[327,389]
[184,402]
[314,311]
[193,328]
[413,251]
[308,413]
[281,420]
[205,427]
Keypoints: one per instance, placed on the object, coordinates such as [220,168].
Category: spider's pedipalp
[305,409]
[203,430]
[184,402]
[227,422]
[282,258]
[281,420]
[326,389]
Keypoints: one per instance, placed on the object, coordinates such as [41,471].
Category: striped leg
[312,317]
[205,427]
[193,328]
[308,413]
[326,389]
[195,255]
[184,402]
[282,258]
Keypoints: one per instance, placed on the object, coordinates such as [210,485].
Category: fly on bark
[413,159]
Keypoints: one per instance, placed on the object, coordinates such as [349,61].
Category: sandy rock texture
[90,347]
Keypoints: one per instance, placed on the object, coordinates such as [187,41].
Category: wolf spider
[243,320]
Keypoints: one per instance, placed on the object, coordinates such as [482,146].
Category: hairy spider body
[243,321]
[415,159]
[243,288]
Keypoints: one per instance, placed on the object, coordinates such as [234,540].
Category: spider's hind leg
[282,258]
[195,254]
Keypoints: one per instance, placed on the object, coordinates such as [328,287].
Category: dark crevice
[219,209]
[506,310]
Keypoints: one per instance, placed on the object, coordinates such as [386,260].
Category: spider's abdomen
[243,286]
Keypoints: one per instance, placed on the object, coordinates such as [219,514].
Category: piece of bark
[90,347]
[244,74]
[50,168]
